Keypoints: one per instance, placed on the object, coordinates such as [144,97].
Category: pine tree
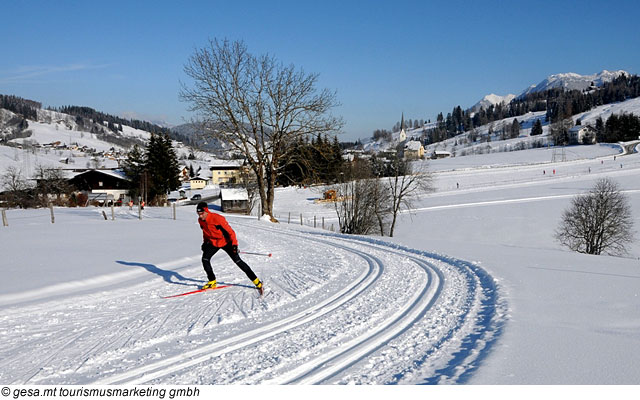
[162,167]
[514,129]
[133,168]
[599,130]
[537,128]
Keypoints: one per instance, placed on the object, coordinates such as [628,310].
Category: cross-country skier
[217,234]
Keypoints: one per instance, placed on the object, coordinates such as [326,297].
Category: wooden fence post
[113,215]
[53,218]
[174,211]
[300,218]
[5,222]
[314,221]
[289,219]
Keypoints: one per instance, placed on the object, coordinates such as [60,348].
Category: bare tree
[52,185]
[598,221]
[357,200]
[406,183]
[258,106]
[14,184]
[382,204]
[249,183]
[560,131]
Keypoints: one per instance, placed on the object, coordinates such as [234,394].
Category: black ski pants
[208,251]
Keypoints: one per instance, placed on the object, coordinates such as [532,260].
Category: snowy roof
[234,194]
[578,128]
[110,172]
[413,145]
[226,164]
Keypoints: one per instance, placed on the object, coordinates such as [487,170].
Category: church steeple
[403,135]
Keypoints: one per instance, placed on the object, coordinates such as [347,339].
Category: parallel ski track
[481,318]
[170,365]
[487,325]
[321,369]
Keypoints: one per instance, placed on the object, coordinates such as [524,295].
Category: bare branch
[256,105]
[599,221]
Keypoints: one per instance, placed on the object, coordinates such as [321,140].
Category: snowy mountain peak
[573,81]
[492,99]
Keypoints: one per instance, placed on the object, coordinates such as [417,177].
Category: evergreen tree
[599,130]
[162,168]
[514,129]
[133,168]
[622,127]
[537,128]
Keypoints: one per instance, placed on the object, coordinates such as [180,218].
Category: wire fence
[112,213]
[318,222]
[12,217]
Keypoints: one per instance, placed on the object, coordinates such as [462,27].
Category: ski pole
[256,254]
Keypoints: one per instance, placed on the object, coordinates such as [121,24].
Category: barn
[234,200]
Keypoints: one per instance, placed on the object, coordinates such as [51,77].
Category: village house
[227,172]
[200,181]
[102,185]
[413,150]
[582,134]
[183,171]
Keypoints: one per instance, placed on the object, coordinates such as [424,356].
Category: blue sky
[383,58]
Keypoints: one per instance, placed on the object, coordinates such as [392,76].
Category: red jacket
[212,233]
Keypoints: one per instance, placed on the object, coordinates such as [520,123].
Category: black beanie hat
[202,206]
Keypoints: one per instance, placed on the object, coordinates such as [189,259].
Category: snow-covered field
[473,289]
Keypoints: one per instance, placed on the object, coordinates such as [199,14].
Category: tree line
[28,109]
[114,123]
[618,128]
[312,162]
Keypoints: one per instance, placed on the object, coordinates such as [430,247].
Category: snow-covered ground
[472,289]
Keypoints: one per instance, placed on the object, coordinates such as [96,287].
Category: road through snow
[336,310]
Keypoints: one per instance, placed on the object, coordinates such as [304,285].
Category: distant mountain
[492,99]
[572,81]
[568,81]
[193,135]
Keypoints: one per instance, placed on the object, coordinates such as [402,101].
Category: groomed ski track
[348,310]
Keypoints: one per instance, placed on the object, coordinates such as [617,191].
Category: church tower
[403,134]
